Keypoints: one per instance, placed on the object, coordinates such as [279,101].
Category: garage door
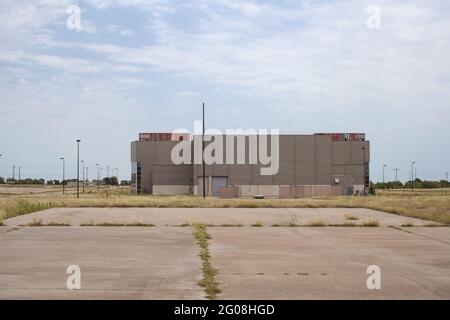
[217,183]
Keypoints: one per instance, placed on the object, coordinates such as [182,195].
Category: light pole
[396,173]
[384,186]
[415,172]
[64,171]
[78,168]
[82,161]
[87,176]
[19,175]
[412,175]
[364,168]
[98,176]
[107,173]
[203,153]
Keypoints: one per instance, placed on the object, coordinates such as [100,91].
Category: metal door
[217,183]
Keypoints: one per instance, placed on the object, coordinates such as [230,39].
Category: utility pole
[396,173]
[384,186]
[107,172]
[203,153]
[364,169]
[412,175]
[19,175]
[87,176]
[14,174]
[78,168]
[82,161]
[98,176]
[415,172]
[117,176]
[64,169]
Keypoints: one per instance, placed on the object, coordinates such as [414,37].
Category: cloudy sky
[147,65]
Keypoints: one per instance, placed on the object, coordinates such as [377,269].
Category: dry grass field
[425,204]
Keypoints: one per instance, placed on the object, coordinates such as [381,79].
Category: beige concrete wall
[229,192]
[287,192]
[161,190]
[269,191]
[358,189]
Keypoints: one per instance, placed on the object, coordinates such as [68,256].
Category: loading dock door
[217,183]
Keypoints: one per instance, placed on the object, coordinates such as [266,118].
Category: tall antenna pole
[78,168]
[203,153]
[98,176]
[82,161]
[64,178]
[396,173]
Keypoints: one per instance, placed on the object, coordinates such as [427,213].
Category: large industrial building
[322,164]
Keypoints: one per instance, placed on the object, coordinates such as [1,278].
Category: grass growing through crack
[316,223]
[351,217]
[257,224]
[38,223]
[113,224]
[57,224]
[371,223]
[208,282]
[408,224]
[35,223]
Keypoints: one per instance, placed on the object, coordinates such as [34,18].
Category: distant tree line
[113,181]
[417,184]
[22,181]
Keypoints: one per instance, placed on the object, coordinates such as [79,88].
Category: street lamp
[203,152]
[98,176]
[412,175]
[78,168]
[64,165]
[82,161]
[107,175]
[364,168]
[384,186]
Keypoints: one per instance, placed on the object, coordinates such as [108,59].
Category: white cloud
[187,93]
[156,7]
